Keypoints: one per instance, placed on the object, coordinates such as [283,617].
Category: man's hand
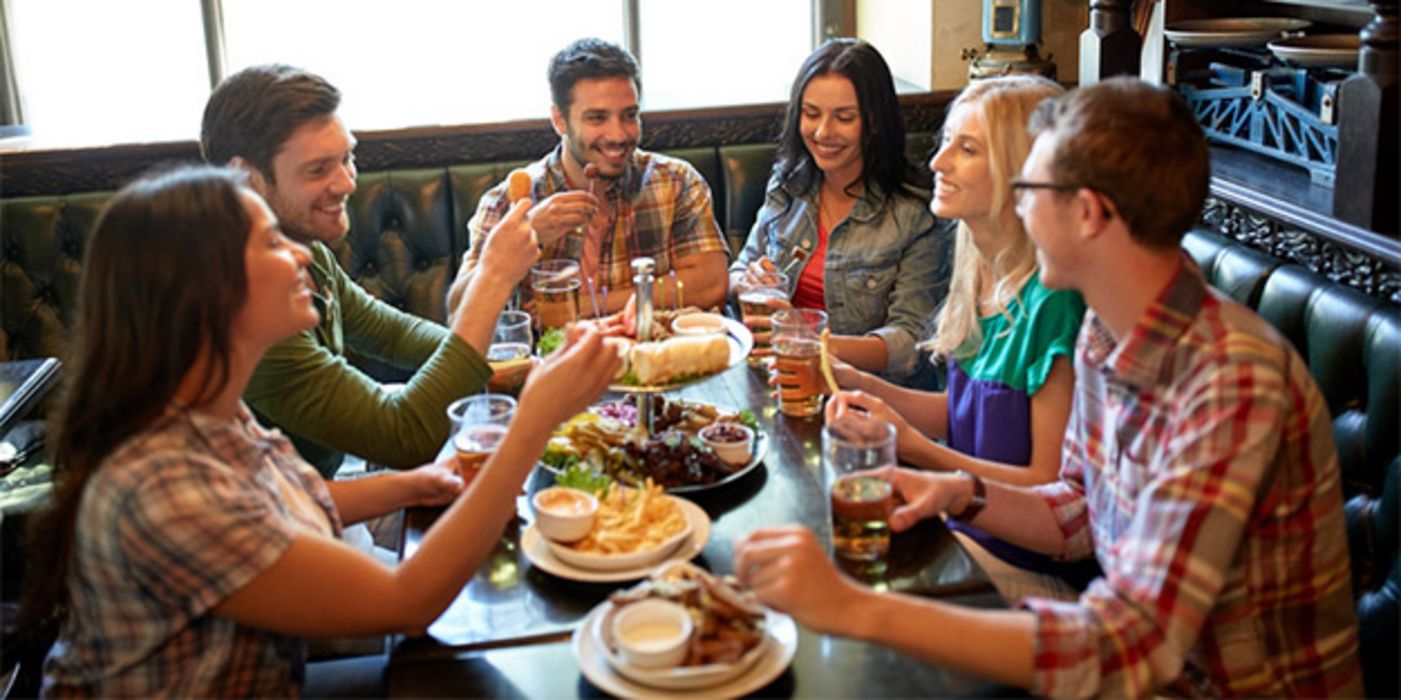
[561,213]
[510,249]
[790,572]
[434,484]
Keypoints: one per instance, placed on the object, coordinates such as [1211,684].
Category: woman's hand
[791,572]
[906,437]
[433,484]
[572,377]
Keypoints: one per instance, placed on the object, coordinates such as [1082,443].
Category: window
[736,52]
[118,74]
[138,70]
[423,61]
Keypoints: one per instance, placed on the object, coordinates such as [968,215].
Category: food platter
[1319,50]
[537,551]
[741,341]
[1234,32]
[757,453]
[592,655]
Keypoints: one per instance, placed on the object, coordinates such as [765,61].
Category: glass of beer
[509,354]
[852,446]
[756,300]
[797,346]
[554,284]
[478,426]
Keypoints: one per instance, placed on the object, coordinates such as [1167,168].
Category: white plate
[1320,50]
[1231,32]
[537,550]
[594,561]
[593,662]
[741,342]
[682,677]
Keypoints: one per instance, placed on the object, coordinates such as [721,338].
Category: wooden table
[506,634]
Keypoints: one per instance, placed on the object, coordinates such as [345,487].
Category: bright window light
[729,52]
[420,62]
[96,71]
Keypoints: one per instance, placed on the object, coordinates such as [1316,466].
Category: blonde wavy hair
[1003,105]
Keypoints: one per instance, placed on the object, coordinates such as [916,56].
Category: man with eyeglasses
[280,125]
[601,201]
[1198,467]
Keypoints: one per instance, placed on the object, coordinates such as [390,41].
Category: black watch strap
[977,503]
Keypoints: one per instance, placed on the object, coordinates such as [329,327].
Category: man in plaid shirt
[602,201]
[1198,466]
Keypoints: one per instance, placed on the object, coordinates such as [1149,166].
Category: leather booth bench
[408,230]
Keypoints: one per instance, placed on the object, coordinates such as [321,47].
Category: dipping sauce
[564,502]
[721,432]
[652,635]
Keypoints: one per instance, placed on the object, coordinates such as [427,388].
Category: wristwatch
[977,503]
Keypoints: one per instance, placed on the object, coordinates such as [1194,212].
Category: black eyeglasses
[1019,187]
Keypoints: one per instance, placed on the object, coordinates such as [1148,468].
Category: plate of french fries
[633,530]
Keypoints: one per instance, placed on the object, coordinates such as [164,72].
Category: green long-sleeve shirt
[306,387]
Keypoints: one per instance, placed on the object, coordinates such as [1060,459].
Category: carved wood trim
[1378,275]
[66,171]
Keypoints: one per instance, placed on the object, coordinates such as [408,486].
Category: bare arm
[1050,409]
[790,572]
[704,283]
[320,586]
[373,496]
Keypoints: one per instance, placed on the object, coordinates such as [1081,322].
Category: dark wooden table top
[507,633]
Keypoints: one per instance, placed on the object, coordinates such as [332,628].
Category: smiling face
[963,179]
[313,176]
[1048,218]
[831,127]
[278,304]
[602,126]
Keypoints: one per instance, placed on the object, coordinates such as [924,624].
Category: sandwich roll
[661,362]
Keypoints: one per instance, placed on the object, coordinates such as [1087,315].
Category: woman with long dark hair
[847,215]
[189,550]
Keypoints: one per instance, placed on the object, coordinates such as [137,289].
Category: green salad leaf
[578,476]
[550,341]
[749,420]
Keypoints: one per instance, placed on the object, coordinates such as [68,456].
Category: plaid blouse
[661,208]
[1199,468]
[174,521]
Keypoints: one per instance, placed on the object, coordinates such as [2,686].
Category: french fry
[826,361]
[632,520]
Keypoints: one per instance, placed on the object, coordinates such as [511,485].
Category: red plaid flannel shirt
[1199,468]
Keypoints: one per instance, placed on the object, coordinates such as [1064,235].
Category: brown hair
[162,280]
[254,111]
[1137,144]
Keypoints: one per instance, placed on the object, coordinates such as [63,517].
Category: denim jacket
[887,265]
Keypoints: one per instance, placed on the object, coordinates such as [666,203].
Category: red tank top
[808,294]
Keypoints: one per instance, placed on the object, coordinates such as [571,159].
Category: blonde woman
[1006,339]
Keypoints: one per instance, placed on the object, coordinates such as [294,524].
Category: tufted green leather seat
[1352,343]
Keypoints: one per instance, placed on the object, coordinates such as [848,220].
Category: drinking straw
[594,297]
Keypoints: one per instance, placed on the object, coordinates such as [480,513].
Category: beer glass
[554,284]
[797,346]
[755,301]
[510,351]
[852,445]
[478,426]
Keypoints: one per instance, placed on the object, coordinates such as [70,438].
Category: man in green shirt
[279,124]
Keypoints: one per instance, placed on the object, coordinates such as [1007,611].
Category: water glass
[797,345]
[510,353]
[554,284]
[852,445]
[478,426]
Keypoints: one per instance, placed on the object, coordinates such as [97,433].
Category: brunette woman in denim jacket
[846,217]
